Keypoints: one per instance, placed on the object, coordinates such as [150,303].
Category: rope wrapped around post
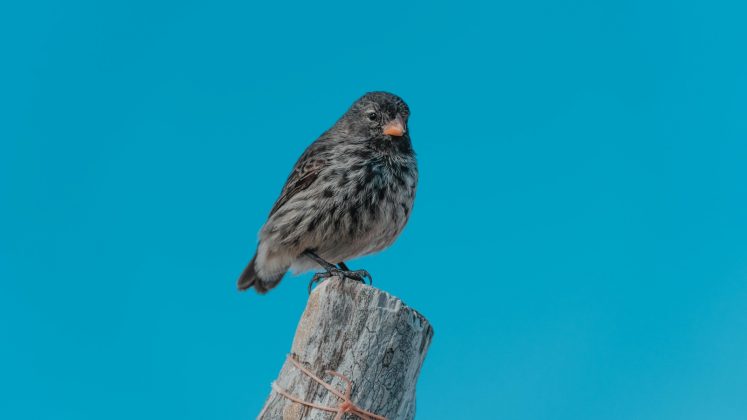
[346,406]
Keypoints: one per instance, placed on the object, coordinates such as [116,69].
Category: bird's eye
[373,116]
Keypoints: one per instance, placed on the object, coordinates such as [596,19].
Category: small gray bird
[350,194]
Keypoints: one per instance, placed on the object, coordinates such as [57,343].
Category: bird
[350,194]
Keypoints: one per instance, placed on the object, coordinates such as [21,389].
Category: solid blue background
[578,240]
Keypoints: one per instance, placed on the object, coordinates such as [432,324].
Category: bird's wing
[306,171]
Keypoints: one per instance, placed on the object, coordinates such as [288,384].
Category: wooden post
[363,333]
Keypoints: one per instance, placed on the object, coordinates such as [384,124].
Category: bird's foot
[357,275]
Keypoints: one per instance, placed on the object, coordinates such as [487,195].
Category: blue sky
[578,239]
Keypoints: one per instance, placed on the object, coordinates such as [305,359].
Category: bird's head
[379,117]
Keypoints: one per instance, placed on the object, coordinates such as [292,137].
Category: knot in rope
[346,406]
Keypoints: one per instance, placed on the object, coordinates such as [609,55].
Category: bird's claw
[357,275]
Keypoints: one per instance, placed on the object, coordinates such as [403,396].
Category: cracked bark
[367,335]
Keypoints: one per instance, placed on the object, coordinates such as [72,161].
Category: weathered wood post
[363,333]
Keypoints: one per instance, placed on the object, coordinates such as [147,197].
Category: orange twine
[346,406]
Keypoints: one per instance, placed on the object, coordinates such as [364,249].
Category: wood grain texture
[367,335]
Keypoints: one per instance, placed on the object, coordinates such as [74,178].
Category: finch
[350,194]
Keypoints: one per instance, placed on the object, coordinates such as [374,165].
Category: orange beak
[395,127]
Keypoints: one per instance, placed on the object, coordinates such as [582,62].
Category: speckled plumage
[350,194]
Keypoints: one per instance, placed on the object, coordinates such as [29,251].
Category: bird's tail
[250,278]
